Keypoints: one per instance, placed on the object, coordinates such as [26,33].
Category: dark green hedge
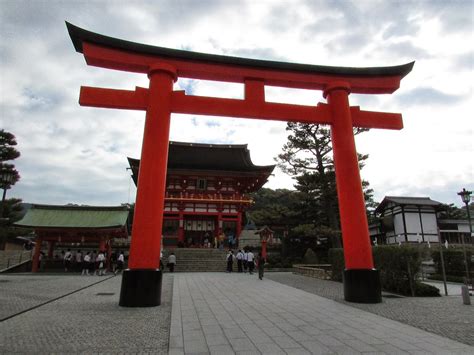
[449,278]
[336,259]
[453,261]
[398,268]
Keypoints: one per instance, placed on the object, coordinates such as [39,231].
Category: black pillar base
[141,288]
[362,286]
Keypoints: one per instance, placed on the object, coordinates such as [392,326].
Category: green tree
[8,152]
[308,157]
[9,209]
[275,207]
[453,212]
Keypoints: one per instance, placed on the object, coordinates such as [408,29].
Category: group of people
[246,261]
[207,241]
[92,262]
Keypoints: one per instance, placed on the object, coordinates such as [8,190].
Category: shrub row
[453,261]
[398,268]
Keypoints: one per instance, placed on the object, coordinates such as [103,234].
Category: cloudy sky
[78,154]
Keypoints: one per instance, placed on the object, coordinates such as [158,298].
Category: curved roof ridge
[80,207]
[208,145]
[79,35]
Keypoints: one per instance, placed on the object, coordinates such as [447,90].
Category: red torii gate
[141,283]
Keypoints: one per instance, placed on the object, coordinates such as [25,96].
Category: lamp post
[466,198]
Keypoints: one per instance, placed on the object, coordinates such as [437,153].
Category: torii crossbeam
[141,283]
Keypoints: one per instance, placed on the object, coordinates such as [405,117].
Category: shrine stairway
[197,260]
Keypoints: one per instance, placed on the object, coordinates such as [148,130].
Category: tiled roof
[215,157]
[412,201]
[50,216]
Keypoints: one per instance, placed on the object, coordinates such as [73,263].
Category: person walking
[78,260]
[120,262]
[240,258]
[250,261]
[67,260]
[86,264]
[230,261]
[101,263]
[245,259]
[171,262]
[93,263]
[260,264]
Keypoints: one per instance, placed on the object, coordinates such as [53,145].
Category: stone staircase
[197,260]
[9,258]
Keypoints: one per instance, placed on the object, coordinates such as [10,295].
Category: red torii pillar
[141,284]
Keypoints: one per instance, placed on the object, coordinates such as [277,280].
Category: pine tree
[8,152]
[308,157]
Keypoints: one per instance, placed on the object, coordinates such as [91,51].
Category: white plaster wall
[429,223]
[413,223]
[398,224]
[463,228]
[431,238]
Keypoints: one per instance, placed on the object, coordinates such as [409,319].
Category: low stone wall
[318,271]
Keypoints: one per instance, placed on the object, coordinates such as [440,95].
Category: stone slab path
[221,313]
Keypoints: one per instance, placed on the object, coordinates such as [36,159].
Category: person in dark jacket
[261,264]
[230,260]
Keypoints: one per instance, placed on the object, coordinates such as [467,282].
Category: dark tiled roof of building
[210,157]
[412,201]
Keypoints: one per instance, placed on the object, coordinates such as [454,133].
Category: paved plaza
[207,313]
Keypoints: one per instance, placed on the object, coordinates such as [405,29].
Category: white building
[415,220]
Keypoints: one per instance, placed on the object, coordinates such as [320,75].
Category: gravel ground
[87,321]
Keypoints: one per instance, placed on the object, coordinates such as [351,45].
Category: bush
[310,257]
[336,259]
[277,261]
[398,268]
[450,278]
[424,290]
[453,261]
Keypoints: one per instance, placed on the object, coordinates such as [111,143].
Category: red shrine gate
[141,284]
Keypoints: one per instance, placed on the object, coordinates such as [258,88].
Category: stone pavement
[221,313]
[445,316]
[208,313]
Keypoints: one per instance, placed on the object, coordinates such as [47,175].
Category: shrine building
[206,191]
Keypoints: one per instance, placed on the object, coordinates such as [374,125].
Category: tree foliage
[453,212]
[8,152]
[307,156]
[9,208]
[7,149]
[275,207]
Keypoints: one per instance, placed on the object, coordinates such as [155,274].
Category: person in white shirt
[171,262]
[240,258]
[101,262]
[86,264]
[244,261]
[250,261]
[120,262]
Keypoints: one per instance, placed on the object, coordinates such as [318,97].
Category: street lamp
[466,198]
[6,179]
